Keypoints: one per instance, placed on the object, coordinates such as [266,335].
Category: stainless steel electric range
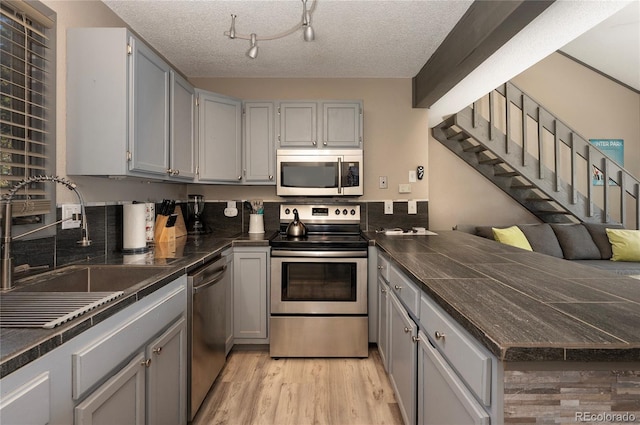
[319,284]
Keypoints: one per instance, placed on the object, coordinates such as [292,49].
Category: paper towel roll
[134,234]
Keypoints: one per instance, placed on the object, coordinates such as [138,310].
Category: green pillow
[511,236]
[625,244]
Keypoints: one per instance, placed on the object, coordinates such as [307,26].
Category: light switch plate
[404,188]
[68,210]
[388,207]
[412,176]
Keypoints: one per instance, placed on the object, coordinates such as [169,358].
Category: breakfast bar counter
[521,305]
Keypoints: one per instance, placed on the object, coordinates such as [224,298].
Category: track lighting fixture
[305,23]
[253,50]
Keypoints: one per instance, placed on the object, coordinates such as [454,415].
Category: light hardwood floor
[256,389]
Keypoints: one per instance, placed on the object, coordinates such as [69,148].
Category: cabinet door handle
[407,330]
[383,290]
[314,143]
[176,172]
[170,171]
[270,177]
[324,143]
[397,287]
[439,335]
[415,338]
[157,350]
[239,177]
[146,363]
[380,267]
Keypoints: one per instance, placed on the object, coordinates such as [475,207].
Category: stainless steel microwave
[319,172]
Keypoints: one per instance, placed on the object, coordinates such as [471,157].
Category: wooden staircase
[539,161]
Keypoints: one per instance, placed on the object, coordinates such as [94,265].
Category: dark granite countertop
[523,306]
[20,346]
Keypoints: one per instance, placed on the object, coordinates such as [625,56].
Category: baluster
[540,144]
[524,130]
[507,117]
[491,103]
[556,155]
[474,115]
[637,195]
[574,154]
[622,182]
[605,176]
[590,171]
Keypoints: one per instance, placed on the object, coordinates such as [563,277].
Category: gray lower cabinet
[121,400]
[383,321]
[403,359]
[442,397]
[103,366]
[228,287]
[28,404]
[250,290]
[150,389]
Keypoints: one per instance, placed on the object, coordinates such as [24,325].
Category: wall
[395,134]
[591,104]
[93,14]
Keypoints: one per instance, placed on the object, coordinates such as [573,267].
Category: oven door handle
[318,254]
[339,175]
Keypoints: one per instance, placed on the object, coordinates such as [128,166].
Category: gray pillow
[542,239]
[576,242]
[600,238]
[487,231]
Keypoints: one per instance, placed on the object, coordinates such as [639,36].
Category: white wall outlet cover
[230,212]
[412,207]
[388,207]
[383,183]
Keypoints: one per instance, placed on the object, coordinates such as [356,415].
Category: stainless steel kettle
[296,229]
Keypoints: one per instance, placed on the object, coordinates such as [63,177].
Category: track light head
[253,50]
[309,35]
[232,30]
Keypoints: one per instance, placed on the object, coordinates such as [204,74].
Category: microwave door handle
[339,175]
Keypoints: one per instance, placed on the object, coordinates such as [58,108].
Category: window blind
[27,143]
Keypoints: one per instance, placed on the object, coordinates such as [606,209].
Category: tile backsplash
[105,230]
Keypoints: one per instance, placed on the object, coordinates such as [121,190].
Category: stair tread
[507,174]
[492,161]
[459,137]
[474,148]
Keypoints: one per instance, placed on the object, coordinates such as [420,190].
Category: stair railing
[557,147]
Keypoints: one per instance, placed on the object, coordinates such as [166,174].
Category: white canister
[134,232]
[256,223]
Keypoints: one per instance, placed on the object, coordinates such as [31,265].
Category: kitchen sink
[49,299]
[89,278]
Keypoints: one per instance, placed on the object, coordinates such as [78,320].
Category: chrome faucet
[7,260]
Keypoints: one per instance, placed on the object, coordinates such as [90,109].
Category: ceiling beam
[484,28]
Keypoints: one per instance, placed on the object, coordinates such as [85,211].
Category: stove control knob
[353,212]
[337,211]
[287,211]
[345,212]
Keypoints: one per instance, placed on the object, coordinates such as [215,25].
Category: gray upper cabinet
[320,124]
[183,138]
[149,123]
[259,157]
[219,138]
[122,119]
[298,124]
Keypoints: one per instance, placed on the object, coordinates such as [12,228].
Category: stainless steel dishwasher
[208,286]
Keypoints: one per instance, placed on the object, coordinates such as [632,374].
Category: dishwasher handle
[219,274]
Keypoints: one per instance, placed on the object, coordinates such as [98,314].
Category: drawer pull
[439,335]
[407,330]
[397,287]
[146,363]
[415,338]
[383,290]
[157,350]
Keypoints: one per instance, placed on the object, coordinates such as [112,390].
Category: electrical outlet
[412,176]
[412,207]
[388,207]
[404,188]
[383,183]
[68,211]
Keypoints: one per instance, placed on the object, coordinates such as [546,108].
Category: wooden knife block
[163,233]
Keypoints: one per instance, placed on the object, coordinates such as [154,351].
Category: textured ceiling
[354,38]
